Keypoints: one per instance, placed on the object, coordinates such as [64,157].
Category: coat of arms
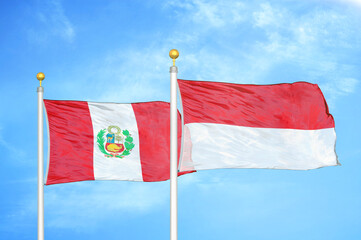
[116,143]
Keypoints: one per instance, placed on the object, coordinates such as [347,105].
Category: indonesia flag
[108,141]
[281,126]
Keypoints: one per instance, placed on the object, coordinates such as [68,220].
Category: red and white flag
[108,141]
[281,126]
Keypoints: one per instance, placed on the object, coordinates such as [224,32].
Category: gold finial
[173,54]
[40,76]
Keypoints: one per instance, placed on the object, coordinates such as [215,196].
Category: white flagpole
[173,148]
[40,76]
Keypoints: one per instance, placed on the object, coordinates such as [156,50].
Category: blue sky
[118,51]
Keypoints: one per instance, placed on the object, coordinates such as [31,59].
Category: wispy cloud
[52,21]
[209,13]
[339,88]
[211,184]
[315,44]
[84,206]
[99,201]
[268,16]
[124,75]
[257,43]
[13,150]
[282,44]
[356,3]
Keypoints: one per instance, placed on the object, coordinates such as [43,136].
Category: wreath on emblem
[110,144]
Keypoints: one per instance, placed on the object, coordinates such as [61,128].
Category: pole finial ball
[40,76]
[173,53]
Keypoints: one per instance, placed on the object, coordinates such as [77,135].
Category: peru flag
[281,126]
[108,141]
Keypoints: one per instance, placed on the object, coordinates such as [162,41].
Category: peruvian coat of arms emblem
[114,142]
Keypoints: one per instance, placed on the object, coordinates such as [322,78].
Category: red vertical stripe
[153,119]
[71,142]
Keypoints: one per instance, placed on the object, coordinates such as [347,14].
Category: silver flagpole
[40,76]
[173,148]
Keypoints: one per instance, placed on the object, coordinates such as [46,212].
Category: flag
[281,126]
[108,141]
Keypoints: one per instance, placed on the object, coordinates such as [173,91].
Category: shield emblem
[114,147]
[116,143]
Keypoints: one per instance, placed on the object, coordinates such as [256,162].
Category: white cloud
[352,2]
[348,85]
[311,42]
[79,205]
[214,46]
[13,150]
[210,13]
[338,87]
[209,185]
[52,22]
[132,75]
[84,205]
[267,16]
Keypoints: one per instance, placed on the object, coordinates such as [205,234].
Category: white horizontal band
[226,146]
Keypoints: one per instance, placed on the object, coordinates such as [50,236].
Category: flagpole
[173,148]
[40,76]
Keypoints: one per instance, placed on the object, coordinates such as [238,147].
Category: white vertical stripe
[128,168]
[226,146]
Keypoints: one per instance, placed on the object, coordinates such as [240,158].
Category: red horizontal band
[300,105]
